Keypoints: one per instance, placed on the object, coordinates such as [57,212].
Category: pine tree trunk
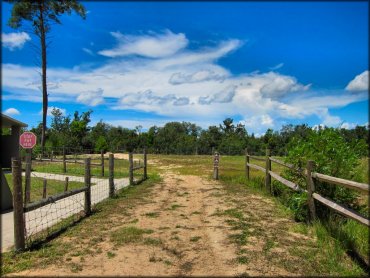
[44,86]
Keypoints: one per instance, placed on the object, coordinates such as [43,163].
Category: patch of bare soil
[191,236]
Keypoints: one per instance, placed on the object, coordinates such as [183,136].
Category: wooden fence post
[111,175]
[268,168]
[44,185]
[102,163]
[246,163]
[66,184]
[27,181]
[19,240]
[64,161]
[216,161]
[311,189]
[88,185]
[145,164]
[131,166]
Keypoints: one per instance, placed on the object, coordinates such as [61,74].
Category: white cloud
[186,85]
[346,125]
[13,41]
[91,98]
[359,83]
[199,76]
[12,112]
[278,66]
[50,109]
[88,51]
[151,45]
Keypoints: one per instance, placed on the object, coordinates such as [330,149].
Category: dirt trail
[190,236]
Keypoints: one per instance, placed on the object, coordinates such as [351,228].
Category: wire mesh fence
[55,199]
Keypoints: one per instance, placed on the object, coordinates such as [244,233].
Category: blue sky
[143,63]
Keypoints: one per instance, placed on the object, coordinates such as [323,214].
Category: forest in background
[183,137]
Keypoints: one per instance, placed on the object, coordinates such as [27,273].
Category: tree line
[182,137]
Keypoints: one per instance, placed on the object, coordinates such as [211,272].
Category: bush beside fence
[311,178]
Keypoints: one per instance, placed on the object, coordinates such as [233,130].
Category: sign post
[27,140]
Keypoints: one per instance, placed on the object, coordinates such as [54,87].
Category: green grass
[195,238]
[58,251]
[37,185]
[129,234]
[121,167]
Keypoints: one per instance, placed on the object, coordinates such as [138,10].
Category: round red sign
[27,140]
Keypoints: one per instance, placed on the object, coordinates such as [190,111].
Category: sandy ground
[194,241]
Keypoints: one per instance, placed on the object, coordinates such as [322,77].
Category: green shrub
[332,156]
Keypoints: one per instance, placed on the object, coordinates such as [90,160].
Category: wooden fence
[21,207]
[311,177]
[135,165]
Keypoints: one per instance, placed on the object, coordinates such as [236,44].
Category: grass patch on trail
[129,234]
[77,239]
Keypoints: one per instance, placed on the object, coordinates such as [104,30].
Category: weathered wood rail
[134,167]
[64,161]
[311,177]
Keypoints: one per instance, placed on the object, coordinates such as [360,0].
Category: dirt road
[189,225]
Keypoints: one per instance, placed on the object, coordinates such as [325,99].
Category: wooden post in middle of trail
[268,169]
[246,163]
[216,160]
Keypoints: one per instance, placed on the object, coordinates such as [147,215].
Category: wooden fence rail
[21,206]
[311,176]
[133,167]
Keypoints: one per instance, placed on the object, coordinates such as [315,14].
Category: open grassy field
[166,226]
[53,186]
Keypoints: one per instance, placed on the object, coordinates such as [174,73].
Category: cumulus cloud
[12,112]
[14,41]
[199,76]
[359,83]
[277,85]
[152,45]
[224,96]
[91,98]
[183,82]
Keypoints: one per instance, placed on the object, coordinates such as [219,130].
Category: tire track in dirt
[190,236]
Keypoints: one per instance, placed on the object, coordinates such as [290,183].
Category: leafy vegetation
[179,137]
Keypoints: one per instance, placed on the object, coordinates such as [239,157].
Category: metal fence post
[311,189]
[19,240]
[44,185]
[88,185]
[102,163]
[66,184]
[27,180]
[268,169]
[246,163]
[145,164]
[111,175]
[216,161]
[131,166]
